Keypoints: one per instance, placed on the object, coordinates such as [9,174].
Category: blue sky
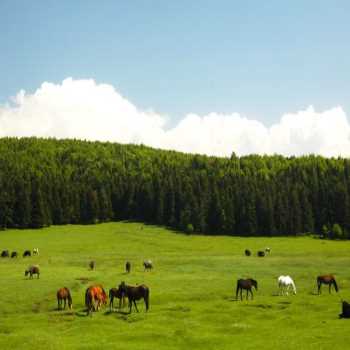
[258,58]
[221,76]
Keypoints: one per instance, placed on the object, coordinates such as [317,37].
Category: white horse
[284,283]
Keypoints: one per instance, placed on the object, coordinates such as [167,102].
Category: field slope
[192,290]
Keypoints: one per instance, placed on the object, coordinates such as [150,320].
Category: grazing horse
[135,293]
[261,253]
[326,279]
[27,253]
[35,251]
[284,283]
[128,267]
[95,296]
[268,250]
[32,270]
[247,252]
[5,254]
[148,265]
[116,293]
[14,255]
[92,265]
[247,285]
[63,294]
[345,310]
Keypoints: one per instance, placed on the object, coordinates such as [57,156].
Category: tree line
[49,181]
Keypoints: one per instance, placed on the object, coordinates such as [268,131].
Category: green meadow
[192,290]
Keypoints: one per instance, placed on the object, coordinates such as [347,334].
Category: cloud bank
[84,109]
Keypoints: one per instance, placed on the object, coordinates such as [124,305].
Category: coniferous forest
[48,181]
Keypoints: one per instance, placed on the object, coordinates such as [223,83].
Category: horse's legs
[65,301]
[251,292]
[319,287]
[135,306]
[329,289]
[247,294]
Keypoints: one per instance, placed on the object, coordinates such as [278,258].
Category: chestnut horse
[247,285]
[95,296]
[63,294]
[135,293]
[326,279]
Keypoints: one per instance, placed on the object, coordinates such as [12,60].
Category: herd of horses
[14,254]
[95,295]
[285,283]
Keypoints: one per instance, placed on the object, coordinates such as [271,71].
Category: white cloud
[86,110]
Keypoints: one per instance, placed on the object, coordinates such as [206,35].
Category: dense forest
[48,181]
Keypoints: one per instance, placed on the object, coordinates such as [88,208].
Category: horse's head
[70,301]
[26,272]
[122,288]
[255,284]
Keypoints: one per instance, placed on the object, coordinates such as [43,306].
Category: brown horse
[135,293]
[32,270]
[63,294]
[95,296]
[247,285]
[116,293]
[326,279]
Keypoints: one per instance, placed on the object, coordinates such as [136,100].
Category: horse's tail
[146,297]
[105,297]
[88,300]
[335,285]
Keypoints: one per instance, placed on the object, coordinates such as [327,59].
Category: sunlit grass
[192,302]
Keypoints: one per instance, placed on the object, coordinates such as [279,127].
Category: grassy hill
[192,303]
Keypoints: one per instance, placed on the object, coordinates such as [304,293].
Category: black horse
[116,293]
[14,255]
[135,293]
[247,252]
[27,253]
[345,310]
[247,285]
[261,253]
[326,279]
[5,254]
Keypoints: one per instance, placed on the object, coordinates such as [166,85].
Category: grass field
[192,303]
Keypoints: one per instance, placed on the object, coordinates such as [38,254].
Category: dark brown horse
[128,267]
[63,294]
[247,252]
[135,293]
[92,265]
[247,285]
[95,296]
[326,279]
[116,293]
[148,265]
[32,270]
